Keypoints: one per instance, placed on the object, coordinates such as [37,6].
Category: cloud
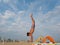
[13,21]
[51,15]
[58,24]
[47,24]
[0,0]
[21,12]
[8,14]
[6,1]
[9,19]
[11,4]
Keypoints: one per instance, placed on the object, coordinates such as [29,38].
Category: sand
[16,43]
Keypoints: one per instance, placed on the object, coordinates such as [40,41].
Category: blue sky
[15,21]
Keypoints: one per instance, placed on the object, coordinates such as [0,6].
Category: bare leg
[33,24]
[33,21]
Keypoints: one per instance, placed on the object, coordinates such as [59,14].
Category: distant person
[32,29]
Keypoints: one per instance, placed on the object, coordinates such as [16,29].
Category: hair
[28,33]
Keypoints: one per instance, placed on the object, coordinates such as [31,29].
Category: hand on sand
[29,41]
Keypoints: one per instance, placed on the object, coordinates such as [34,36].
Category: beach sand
[16,43]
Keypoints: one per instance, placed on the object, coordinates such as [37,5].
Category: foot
[31,15]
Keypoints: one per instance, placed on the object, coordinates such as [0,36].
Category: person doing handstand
[32,29]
